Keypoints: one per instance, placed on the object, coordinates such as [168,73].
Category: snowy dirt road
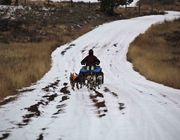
[126,107]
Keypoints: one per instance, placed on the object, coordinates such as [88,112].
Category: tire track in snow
[99,102]
[34,111]
[121,105]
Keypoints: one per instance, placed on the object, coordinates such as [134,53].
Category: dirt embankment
[156,53]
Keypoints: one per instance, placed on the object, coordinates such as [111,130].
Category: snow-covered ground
[126,107]
[76,0]
[132,4]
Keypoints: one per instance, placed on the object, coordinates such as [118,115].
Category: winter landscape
[127,106]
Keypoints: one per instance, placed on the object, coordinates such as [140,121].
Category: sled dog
[74,80]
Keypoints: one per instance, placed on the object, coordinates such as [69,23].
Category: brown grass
[22,64]
[131,12]
[156,53]
[25,63]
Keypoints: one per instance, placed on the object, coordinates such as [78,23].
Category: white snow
[70,0]
[76,0]
[132,4]
[142,110]
[11,7]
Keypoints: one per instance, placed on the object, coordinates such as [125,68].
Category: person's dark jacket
[90,60]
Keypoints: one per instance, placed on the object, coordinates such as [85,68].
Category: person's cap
[90,51]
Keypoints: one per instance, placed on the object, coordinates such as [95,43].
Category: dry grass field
[22,64]
[156,53]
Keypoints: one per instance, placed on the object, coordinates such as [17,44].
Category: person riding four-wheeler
[91,69]
[90,61]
